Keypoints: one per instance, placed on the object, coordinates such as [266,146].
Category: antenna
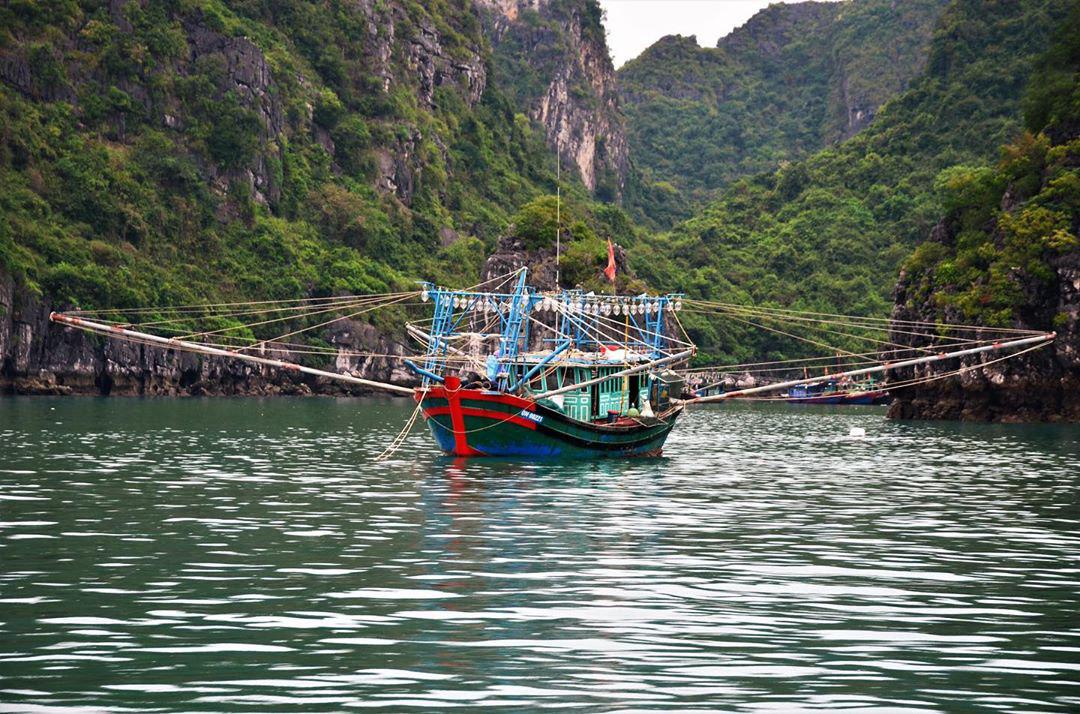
[558,212]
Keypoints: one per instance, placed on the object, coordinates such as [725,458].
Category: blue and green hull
[474,422]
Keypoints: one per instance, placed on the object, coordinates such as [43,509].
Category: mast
[558,213]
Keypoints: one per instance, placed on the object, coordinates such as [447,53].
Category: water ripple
[207,555]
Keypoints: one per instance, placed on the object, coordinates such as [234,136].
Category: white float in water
[857,431]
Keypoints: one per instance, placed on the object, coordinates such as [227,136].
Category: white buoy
[857,431]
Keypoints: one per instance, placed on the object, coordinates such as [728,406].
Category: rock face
[770,32]
[390,23]
[552,56]
[869,49]
[404,51]
[41,357]
[859,75]
[247,75]
[511,254]
[406,48]
[1042,385]
[244,73]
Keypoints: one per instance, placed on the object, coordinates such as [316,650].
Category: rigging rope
[798,362]
[602,328]
[885,320]
[290,317]
[796,337]
[864,338]
[307,310]
[893,386]
[399,440]
[874,328]
[202,307]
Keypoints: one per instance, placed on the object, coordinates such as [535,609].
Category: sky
[633,25]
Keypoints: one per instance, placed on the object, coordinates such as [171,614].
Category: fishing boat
[504,369]
[837,392]
[572,374]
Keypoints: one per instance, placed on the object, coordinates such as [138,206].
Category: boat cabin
[616,394]
[807,391]
[824,389]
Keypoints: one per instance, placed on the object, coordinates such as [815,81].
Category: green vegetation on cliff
[180,151]
[551,58]
[794,79]
[183,151]
[830,232]
[1009,226]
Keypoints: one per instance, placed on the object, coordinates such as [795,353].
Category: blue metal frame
[510,342]
[576,327]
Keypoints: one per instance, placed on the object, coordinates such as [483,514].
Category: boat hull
[475,422]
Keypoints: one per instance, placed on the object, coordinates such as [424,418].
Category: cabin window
[537,383]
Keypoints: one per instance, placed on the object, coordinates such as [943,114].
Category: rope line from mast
[893,386]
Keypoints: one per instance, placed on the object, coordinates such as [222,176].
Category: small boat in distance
[837,392]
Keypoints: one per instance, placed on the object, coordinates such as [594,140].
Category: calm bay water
[222,555]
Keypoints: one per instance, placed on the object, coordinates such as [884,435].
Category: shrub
[234,138]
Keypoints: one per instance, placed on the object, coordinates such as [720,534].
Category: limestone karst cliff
[552,56]
[175,153]
[39,357]
[1032,283]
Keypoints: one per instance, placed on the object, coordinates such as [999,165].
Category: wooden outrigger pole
[185,345]
[1038,339]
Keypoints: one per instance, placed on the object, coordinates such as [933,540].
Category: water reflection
[219,554]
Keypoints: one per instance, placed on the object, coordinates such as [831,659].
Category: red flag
[609,271]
